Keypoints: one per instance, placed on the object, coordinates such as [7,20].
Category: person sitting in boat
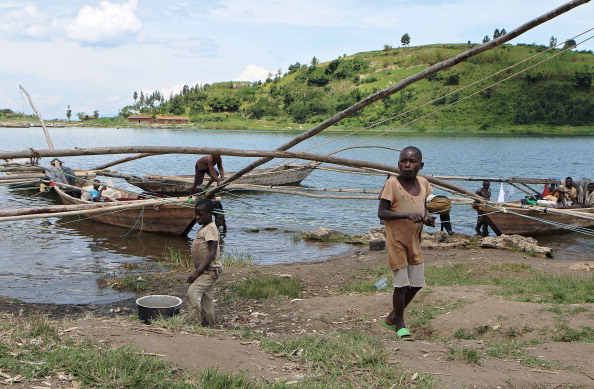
[95,193]
[441,205]
[481,222]
[566,194]
[587,197]
[206,165]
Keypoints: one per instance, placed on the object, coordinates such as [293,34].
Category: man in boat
[206,165]
[481,222]
[566,194]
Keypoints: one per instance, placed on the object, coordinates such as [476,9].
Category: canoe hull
[181,185]
[171,218]
[532,221]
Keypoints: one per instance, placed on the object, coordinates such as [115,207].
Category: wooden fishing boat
[515,218]
[289,174]
[170,216]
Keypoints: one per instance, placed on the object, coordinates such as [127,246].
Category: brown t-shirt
[403,237]
[199,251]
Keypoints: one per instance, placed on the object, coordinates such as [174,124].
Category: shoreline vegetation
[244,125]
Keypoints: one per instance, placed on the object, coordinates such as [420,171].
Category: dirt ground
[325,308]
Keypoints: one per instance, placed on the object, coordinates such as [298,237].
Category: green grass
[238,259]
[33,349]
[262,287]
[175,259]
[347,360]
[514,351]
[517,282]
[564,333]
[469,355]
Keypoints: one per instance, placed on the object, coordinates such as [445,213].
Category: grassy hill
[555,96]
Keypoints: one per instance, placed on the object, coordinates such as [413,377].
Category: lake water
[59,260]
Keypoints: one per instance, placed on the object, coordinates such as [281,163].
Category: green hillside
[552,97]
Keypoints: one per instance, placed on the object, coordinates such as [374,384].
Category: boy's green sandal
[404,334]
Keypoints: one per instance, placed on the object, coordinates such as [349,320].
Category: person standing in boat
[567,193]
[481,222]
[206,165]
[403,209]
[442,206]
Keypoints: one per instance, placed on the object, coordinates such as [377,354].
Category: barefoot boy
[402,207]
[206,257]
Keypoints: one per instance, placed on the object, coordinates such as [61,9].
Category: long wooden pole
[233,152]
[47,137]
[404,83]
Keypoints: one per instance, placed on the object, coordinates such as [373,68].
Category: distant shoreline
[298,128]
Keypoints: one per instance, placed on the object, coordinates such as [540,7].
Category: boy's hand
[193,276]
[415,217]
[430,221]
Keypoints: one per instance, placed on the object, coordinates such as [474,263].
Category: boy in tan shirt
[403,208]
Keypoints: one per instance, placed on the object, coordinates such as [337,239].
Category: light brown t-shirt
[199,250]
[403,237]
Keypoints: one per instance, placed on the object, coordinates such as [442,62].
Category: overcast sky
[93,55]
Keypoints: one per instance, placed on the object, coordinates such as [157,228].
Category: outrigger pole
[47,137]
[401,85]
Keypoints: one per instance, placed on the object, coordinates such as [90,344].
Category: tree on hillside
[82,116]
[314,61]
[496,34]
[387,47]
[502,32]
[552,41]
[68,113]
[570,44]
[96,114]
[486,39]
[405,40]
[135,96]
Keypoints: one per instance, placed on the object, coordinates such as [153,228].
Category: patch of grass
[514,267]
[347,360]
[174,258]
[514,351]
[238,259]
[265,287]
[564,333]
[34,350]
[469,355]
[133,283]
[513,332]
[481,329]
[517,284]
[462,333]
[368,286]
[421,314]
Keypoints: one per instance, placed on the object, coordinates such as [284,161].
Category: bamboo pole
[103,208]
[404,83]
[119,161]
[47,137]
[234,152]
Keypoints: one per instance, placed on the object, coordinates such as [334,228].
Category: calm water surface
[60,260]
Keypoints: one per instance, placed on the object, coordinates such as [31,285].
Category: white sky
[93,55]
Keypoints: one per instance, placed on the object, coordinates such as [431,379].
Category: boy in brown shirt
[403,208]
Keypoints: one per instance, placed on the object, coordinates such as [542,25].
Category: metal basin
[154,306]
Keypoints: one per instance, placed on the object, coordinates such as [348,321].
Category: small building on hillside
[172,119]
[141,119]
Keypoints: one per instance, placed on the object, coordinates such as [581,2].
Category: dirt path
[464,318]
